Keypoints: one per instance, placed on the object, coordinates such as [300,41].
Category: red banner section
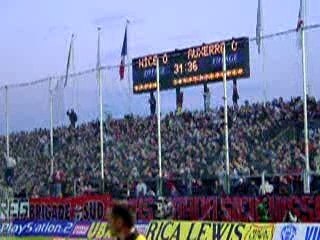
[244,209]
[75,208]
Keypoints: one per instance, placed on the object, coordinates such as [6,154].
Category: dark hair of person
[124,213]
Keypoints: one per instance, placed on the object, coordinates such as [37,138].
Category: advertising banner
[222,209]
[31,238]
[142,228]
[101,230]
[14,209]
[207,230]
[80,230]
[59,229]
[84,208]
[234,209]
[297,232]
[37,228]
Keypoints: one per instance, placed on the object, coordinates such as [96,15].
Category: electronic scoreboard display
[191,66]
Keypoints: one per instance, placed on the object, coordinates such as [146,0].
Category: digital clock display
[192,66]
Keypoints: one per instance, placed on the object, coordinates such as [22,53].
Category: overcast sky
[35,34]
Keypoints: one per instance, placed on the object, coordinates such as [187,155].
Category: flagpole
[51,126]
[51,129]
[305,110]
[7,124]
[309,87]
[226,118]
[101,127]
[159,128]
[101,111]
[265,91]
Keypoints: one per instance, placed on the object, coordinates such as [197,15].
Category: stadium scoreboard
[192,66]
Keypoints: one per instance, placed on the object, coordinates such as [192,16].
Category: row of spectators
[263,137]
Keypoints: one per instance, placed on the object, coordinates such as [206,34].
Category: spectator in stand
[9,171]
[317,161]
[174,192]
[141,189]
[206,98]
[253,189]
[72,117]
[58,178]
[235,94]
[263,210]
[179,100]
[187,181]
[153,103]
[150,193]
[241,188]
[217,188]
[284,188]
[290,217]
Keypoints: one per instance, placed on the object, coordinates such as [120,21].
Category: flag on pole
[259,26]
[70,58]
[300,22]
[124,53]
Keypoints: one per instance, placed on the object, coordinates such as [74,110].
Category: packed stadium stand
[263,137]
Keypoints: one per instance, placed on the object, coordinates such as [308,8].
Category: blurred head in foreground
[122,224]
[121,220]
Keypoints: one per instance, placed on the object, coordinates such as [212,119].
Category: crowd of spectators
[262,137]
